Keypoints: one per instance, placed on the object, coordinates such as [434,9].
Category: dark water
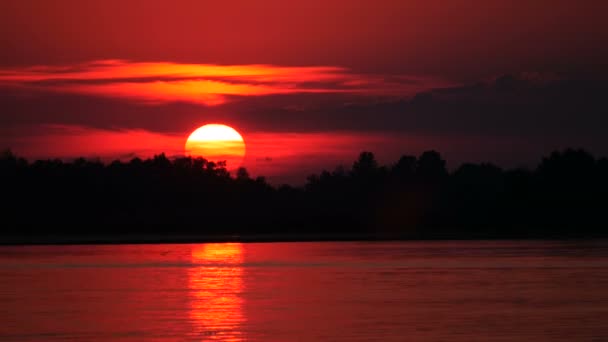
[352,291]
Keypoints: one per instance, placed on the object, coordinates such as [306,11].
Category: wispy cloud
[206,84]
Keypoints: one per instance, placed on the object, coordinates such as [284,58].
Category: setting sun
[217,142]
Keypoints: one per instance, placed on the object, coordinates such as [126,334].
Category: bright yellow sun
[216,142]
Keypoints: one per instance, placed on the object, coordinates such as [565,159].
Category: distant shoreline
[186,239]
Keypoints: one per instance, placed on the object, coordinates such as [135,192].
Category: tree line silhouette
[416,197]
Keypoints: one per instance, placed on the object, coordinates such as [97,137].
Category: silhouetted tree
[365,166]
[431,167]
[416,197]
[242,174]
[405,168]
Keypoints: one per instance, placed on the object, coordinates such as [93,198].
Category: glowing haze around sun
[217,142]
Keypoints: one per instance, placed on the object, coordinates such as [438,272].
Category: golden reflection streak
[216,285]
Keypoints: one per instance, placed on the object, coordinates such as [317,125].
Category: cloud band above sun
[206,84]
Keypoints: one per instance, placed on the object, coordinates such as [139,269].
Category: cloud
[507,106]
[206,84]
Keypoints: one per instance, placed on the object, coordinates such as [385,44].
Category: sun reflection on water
[216,285]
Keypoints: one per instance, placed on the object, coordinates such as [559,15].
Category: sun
[217,142]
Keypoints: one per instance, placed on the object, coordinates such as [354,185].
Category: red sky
[308,83]
[464,39]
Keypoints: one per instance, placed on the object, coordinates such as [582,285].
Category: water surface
[334,291]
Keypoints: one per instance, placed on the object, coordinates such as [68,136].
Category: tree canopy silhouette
[416,197]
